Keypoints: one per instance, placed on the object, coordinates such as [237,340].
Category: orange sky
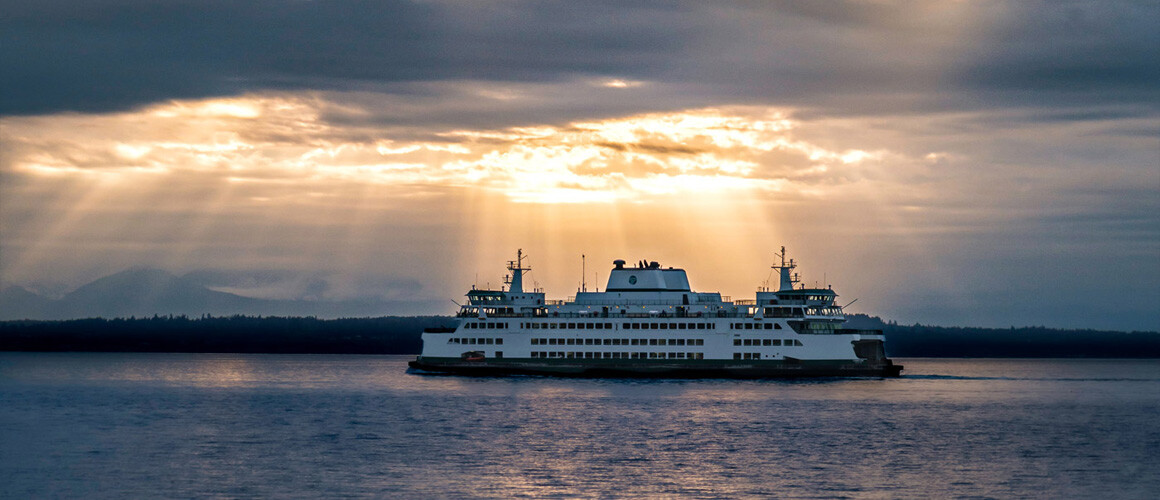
[947,162]
[264,181]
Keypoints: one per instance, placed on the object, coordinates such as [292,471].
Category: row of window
[625,326]
[669,326]
[639,342]
[747,355]
[811,298]
[618,341]
[618,355]
[562,326]
[767,342]
[471,341]
[754,326]
[481,325]
[783,312]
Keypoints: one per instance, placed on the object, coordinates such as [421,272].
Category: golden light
[618,83]
[688,183]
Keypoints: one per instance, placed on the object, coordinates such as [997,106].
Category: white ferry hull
[658,369]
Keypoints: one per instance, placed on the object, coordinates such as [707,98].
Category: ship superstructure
[649,322]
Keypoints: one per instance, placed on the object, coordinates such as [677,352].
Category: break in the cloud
[984,162]
[223,187]
[280,140]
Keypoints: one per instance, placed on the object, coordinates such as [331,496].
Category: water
[210,425]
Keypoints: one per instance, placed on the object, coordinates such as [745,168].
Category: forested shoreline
[240,334]
[401,335]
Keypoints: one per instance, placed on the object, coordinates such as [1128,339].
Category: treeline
[237,334]
[401,335]
[1029,342]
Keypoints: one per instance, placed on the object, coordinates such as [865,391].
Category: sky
[959,163]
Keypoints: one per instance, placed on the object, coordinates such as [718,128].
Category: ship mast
[785,272]
[583,275]
[516,279]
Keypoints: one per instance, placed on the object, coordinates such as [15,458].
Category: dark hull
[655,369]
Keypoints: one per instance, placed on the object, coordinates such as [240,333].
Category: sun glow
[701,151]
[271,176]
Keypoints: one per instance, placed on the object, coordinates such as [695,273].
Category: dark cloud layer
[114,54]
[986,148]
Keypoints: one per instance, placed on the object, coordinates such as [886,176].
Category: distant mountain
[144,292]
[19,303]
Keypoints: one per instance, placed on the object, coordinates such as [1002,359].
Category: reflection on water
[186,425]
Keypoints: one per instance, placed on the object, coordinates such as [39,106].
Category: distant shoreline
[401,335]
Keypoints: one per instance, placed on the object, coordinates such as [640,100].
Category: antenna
[516,278]
[583,275]
[787,278]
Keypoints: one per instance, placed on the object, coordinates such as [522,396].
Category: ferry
[648,322]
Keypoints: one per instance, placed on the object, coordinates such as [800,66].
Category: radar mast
[515,280]
[785,272]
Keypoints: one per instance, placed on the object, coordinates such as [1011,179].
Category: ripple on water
[309,426]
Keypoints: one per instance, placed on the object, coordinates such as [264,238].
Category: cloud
[261,143]
[852,55]
[336,138]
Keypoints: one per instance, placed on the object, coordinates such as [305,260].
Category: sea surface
[107,425]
